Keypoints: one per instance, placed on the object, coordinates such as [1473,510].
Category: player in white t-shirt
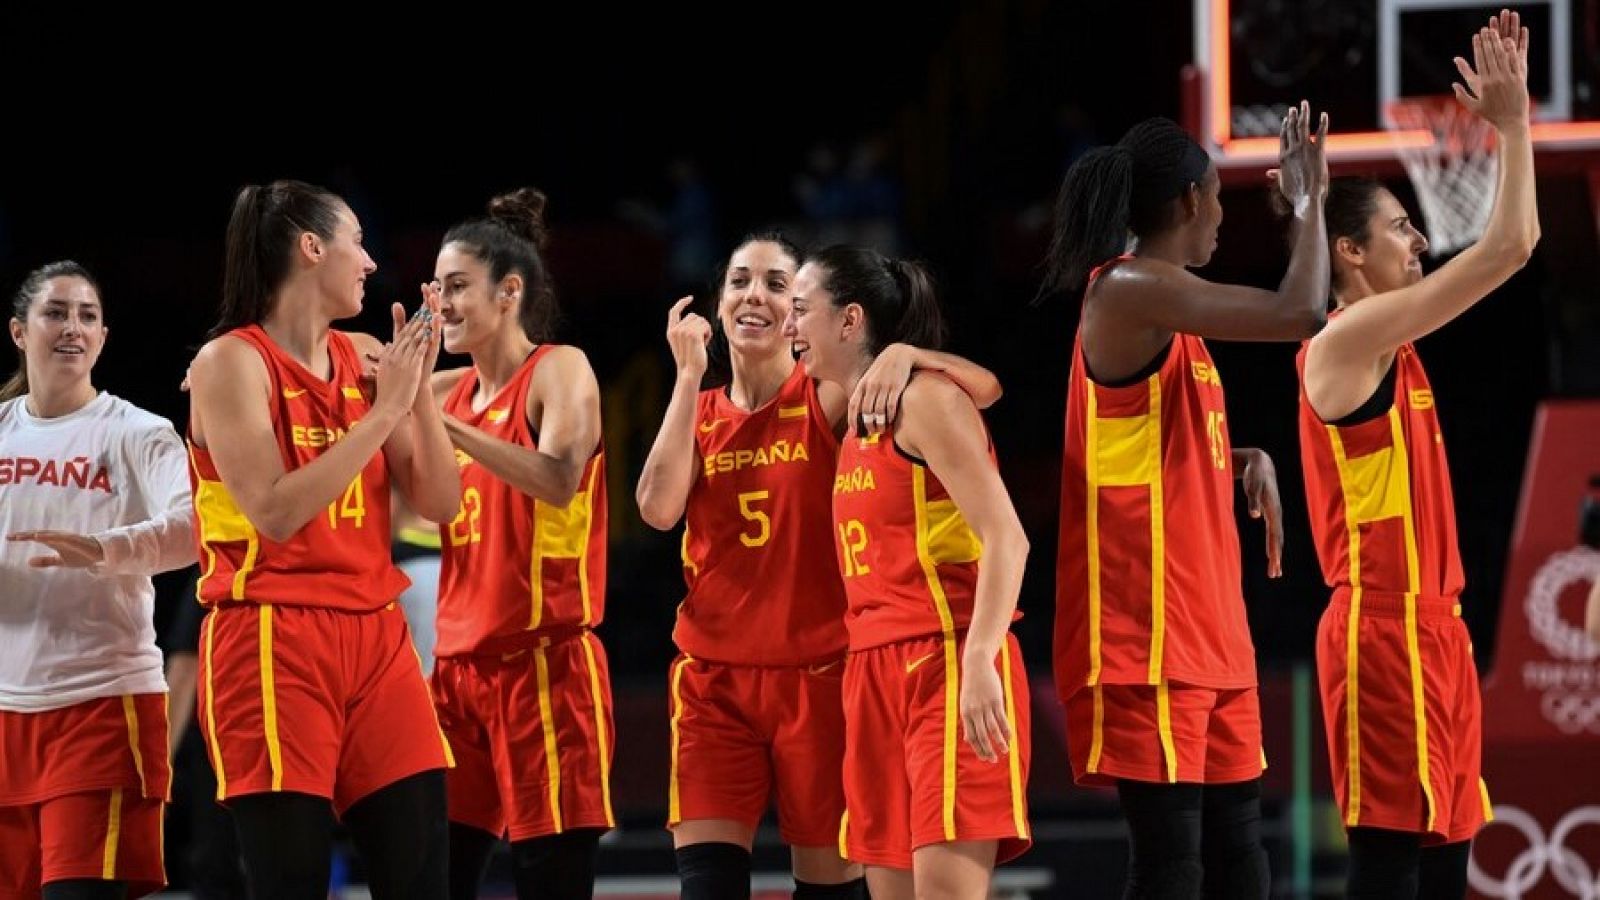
[94,498]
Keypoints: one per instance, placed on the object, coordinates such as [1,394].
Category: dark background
[126,157]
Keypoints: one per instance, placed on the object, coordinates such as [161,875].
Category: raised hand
[399,369]
[1302,172]
[1495,84]
[688,334]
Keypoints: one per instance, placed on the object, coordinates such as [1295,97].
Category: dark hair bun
[522,211]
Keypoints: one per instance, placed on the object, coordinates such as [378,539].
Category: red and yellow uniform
[755,692]
[910,565]
[306,630]
[1152,649]
[90,782]
[521,685]
[1399,690]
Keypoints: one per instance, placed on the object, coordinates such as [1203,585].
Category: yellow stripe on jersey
[1164,729]
[1401,475]
[583,548]
[603,744]
[1091,465]
[1019,806]
[269,700]
[674,812]
[792,412]
[683,550]
[221,522]
[1097,740]
[211,714]
[1158,541]
[449,756]
[131,714]
[552,752]
[952,673]
[1488,807]
[562,532]
[108,863]
[1352,693]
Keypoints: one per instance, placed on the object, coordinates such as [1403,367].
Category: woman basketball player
[83,716]
[521,682]
[1153,657]
[1399,689]
[310,688]
[932,557]
[755,691]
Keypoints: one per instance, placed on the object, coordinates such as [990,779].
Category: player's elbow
[276,528]
[1308,321]
[656,511]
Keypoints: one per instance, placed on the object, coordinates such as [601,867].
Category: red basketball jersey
[516,566]
[339,559]
[909,559]
[1147,570]
[757,542]
[1379,493]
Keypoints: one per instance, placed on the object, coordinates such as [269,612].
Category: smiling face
[826,339]
[473,307]
[755,299]
[63,331]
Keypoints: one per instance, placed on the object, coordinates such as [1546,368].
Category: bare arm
[669,471]
[876,401]
[941,425]
[230,413]
[1342,363]
[564,408]
[1165,298]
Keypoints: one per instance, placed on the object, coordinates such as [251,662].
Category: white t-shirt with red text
[118,473]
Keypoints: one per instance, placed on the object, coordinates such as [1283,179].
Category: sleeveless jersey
[757,544]
[1147,569]
[340,558]
[515,566]
[1378,491]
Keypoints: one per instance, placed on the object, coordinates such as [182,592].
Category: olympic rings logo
[1572,713]
[1528,868]
[1563,639]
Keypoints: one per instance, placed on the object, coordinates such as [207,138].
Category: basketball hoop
[1454,174]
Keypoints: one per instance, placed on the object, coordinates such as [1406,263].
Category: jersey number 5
[747,502]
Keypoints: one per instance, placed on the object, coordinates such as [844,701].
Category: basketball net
[1454,174]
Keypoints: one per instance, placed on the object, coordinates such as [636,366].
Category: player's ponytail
[266,224]
[1091,217]
[1112,193]
[896,296]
